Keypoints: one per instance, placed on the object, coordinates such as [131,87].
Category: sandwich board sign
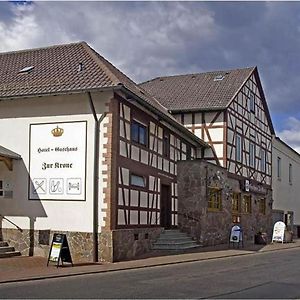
[59,250]
[236,235]
[278,232]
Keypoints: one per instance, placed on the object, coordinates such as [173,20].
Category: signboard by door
[59,250]
[278,232]
[236,235]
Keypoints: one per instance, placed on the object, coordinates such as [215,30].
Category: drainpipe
[96,176]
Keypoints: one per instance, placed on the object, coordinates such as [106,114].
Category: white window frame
[263,160]
[252,102]
[238,148]
[251,155]
[278,167]
[290,173]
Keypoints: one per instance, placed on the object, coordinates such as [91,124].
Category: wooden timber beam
[8,162]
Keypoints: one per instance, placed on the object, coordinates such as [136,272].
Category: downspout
[96,176]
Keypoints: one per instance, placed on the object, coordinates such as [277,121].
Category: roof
[198,91]
[8,153]
[74,67]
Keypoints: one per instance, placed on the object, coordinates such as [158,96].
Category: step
[3,244]
[4,249]
[174,247]
[174,239]
[184,243]
[10,254]
[173,234]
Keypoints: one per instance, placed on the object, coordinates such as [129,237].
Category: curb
[151,265]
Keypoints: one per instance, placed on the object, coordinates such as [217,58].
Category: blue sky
[150,39]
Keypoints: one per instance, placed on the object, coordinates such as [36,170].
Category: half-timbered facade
[228,110]
[98,155]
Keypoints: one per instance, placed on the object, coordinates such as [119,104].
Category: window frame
[252,155]
[262,206]
[263,160]
[247,204]
[290,173]
[252,102]
[214,202]
[1,188]
[278,167]
[140,127]
[140,176]
[238,148]
[166,145]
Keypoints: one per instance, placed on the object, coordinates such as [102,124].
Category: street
[263,275]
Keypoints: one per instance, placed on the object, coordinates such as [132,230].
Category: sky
[151,39]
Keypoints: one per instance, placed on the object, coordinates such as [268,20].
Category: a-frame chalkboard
[59,251]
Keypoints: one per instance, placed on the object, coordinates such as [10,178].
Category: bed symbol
[74,186]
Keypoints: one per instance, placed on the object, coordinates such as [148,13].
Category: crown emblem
[57,131]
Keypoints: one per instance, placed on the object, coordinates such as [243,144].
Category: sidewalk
[25,268]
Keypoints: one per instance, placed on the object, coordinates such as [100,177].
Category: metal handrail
[19,228]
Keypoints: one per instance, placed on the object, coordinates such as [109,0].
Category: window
[139,133]
[214,199]
[247,205]
[252,155]
[137,180]
[1,189]
[236,202]
[290,173]
[238,149]
[278,167]
[263,160]
[188,153]
[262,206]
[252,102]
[166,146]
[219,77]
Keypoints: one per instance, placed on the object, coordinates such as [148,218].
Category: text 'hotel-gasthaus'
[87,152]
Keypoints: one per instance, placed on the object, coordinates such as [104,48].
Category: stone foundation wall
[213,227]
[129,243]
[38,242]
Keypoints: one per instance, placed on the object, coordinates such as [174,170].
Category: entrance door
[165,207]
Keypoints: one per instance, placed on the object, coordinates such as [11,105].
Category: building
[86,152]
[286,171]
[228,110]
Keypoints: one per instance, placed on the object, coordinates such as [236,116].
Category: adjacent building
[286,171]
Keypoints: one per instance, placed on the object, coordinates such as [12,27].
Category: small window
[219,77]
[263,160]
[262,206]
[247,205]
[252,155]
[137,180]
[139,133]
[188,152]
[1,189]
[236,202]
[214,199]
[26,69]
[252,102]
[166,146]
[290,173]
[278,167]
[238,149]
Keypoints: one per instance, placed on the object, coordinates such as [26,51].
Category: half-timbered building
[95,155]
[228,110]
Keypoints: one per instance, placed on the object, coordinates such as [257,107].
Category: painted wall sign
[248,186]
[57,164]
[278,232]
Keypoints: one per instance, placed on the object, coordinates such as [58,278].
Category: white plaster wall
[15,119]
[286,196]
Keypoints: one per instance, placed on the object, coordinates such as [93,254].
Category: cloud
[150,39]
[291,135]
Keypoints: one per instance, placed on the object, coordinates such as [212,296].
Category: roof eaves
[169,119]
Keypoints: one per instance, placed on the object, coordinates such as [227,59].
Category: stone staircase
[7,251]
[174,240]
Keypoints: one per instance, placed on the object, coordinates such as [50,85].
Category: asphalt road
[266,275]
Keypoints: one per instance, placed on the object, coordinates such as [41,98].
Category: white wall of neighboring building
[286,190]
[16,115]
